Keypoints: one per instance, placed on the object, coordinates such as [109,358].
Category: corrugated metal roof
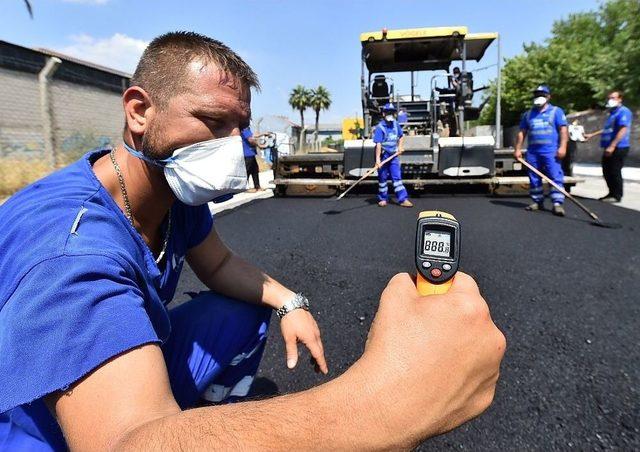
[74,70]
[62,56]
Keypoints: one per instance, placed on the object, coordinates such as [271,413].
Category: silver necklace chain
[127,205]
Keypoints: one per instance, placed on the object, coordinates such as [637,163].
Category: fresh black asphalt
[565,293]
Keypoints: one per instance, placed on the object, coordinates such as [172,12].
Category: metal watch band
[299,301]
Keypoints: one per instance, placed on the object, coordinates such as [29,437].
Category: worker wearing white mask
[92,254]
[388,137]
[615,142]
[545,127]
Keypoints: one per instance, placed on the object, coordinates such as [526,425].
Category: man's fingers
[315,348]
[291,345]
[403,282]
[406,284]
[463,283]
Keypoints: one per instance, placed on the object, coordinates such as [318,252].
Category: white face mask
[205,171]
[389,118]
[612,103]
[539,101]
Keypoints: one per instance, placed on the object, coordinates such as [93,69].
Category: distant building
[325,131]
[54,108]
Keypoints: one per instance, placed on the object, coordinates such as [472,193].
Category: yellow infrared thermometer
[437,251]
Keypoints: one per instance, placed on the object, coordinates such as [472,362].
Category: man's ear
[138,109]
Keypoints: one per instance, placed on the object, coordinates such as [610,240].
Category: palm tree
[320,100]
[300,99]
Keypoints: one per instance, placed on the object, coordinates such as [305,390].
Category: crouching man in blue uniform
[545,127]
[388,137]
[90,257]
[91,358]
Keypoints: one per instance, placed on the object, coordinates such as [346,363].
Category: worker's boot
[558,210]
[382,203]
[534,207]
[406,203]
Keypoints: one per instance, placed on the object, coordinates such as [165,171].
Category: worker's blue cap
[389,107]
[542,89]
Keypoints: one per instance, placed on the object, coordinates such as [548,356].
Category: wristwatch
[299,301]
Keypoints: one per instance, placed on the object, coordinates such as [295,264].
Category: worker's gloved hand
[300,326]
[430,363]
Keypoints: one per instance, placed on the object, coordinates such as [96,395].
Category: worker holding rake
[388,139]
[546,128]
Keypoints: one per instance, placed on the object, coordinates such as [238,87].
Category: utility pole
[45,110]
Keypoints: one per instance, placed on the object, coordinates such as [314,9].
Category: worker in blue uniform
[615,144]
[388,137]
[545,127]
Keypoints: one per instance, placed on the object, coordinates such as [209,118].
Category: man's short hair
[163,68]
[619,92]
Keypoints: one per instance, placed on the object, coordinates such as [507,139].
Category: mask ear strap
[141,156]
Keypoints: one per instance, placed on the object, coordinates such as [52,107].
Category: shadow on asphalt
[513,204]
[368,201]
[263,388]
[520,205]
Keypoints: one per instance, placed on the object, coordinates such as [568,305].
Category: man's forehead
[207,76]
[217,89]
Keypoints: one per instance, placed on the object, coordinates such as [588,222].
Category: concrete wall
[20,119]
[84,117]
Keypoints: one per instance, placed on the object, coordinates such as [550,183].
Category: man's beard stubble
[153,144]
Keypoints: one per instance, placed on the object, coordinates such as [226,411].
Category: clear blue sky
[287,42]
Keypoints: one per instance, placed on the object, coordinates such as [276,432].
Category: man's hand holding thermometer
[433,341]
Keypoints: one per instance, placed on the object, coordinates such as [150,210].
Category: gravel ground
[564,292]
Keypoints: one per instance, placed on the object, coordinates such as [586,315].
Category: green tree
[587,55]
[300,99]
[320,100]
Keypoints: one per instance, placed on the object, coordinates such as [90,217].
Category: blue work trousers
[391,168]
[549,165]
[213,354]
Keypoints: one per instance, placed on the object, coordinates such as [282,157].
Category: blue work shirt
[249,151]
[388,134]
[78,286]
[618,118]
[403,117]
[542,127]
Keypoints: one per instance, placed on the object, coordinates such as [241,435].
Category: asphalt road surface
[565,293]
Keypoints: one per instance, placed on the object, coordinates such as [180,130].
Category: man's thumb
[292,353]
